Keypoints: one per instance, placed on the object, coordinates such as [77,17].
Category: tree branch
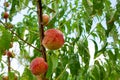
[9,67]
[41,29]
[25,41]
[21,38]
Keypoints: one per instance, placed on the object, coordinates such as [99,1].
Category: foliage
[81,21]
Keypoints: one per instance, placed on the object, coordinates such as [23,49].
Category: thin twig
[25,41]
[7,64]
[9,67]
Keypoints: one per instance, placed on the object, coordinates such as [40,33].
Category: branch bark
[41,28]
[9,66]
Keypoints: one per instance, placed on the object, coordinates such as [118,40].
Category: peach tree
[59,39]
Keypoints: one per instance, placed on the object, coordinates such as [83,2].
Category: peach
[10,54]
[5,15]
[45,19]
[38,66]
[53,39]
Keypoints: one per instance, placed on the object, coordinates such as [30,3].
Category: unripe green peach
[38,66]
[53,39]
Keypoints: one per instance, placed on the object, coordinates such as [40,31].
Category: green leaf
[101,51]
[84,52]
[96,46]
[64,76]
[20,31]
[50,67]
[16,6]
[12,76]
[96,71]
[74,64]
[98,7]
[88,7]
[54,58]
[111,55]
[101,32]
[27,75]
[5,39]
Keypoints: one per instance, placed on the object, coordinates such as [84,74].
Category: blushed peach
[38,66]
[53,39]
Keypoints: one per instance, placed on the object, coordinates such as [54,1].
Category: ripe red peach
[38,66]
[10,54]
[45,19]
[5,15]
[53,39]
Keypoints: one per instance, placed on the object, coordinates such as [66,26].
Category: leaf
[98,7]
[16,6]
[96,71]
[111,55]
[87,6]
[64,76]
[27,75]
[50,67]
[20,31]
[12,76]
[2,66]
[74,64]
[31,38]
[79,28]
[101,32]
[59,70]
[96,46]
[5,39]
[84,52]
[101,51]
[54,58]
